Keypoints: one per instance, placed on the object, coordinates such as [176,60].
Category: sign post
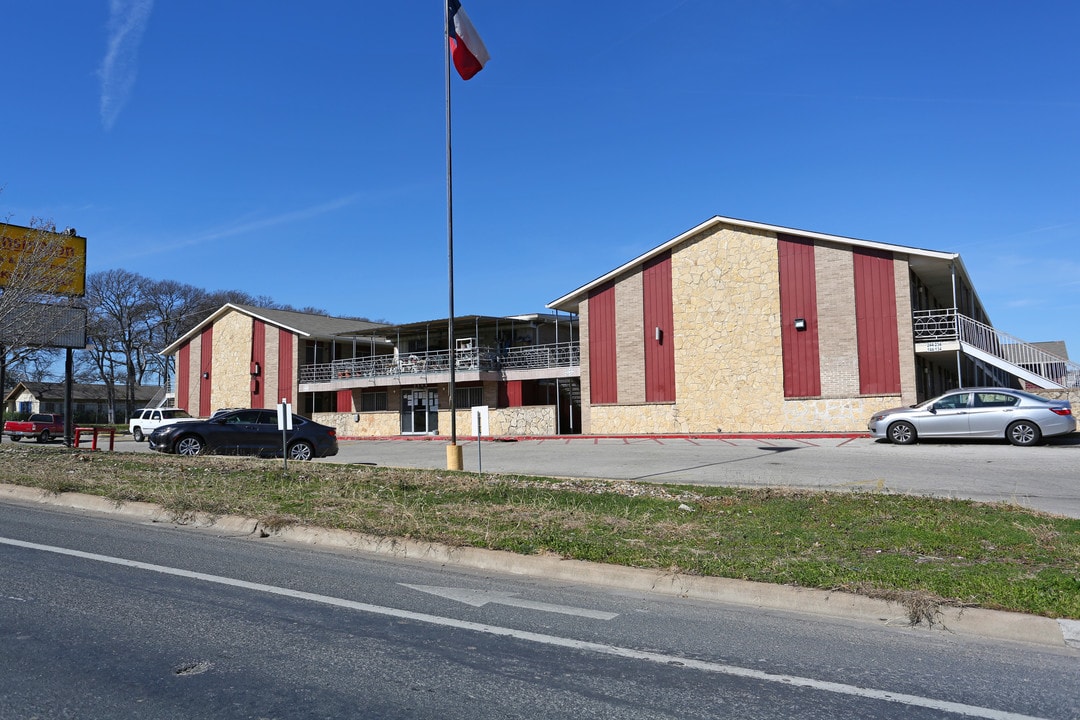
[284,423]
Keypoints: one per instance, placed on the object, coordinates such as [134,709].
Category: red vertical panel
[285,366]
[659,321]
[258,359]
[603,370]
[344,401]
[206,367]
[514,397]
[798,301]
[875,319]
[183,383]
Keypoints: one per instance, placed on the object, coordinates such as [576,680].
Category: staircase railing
[933,325]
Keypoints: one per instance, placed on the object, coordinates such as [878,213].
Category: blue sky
[297,150]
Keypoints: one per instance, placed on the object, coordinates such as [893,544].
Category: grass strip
[924,552]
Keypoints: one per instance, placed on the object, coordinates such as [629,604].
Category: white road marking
[553,640]
[480,598]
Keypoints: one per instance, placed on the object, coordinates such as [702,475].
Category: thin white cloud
[127,23]
[245,227]
[240,227]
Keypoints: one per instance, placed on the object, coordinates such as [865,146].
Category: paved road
[101,618]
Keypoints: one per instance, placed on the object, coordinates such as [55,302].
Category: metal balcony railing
[933,325]
[535,357]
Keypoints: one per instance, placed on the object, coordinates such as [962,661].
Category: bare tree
[119,335]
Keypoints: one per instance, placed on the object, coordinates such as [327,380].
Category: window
[467,397]
[373,401]
[995,400]
[953,402]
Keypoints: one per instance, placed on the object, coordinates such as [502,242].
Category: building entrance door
[419,412]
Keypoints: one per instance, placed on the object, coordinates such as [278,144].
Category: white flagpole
[453,450]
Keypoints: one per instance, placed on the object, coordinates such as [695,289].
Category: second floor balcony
[552,360]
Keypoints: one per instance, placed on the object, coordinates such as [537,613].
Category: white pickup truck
[146,420]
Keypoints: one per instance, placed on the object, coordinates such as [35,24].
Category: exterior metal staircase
[993,347]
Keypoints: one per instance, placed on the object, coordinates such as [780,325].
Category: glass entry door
[419,412]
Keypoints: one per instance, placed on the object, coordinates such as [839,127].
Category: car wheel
[44,437]
[902,433]
[15,438]
[189,445]
[137,434]
[1023,433]
[301,450]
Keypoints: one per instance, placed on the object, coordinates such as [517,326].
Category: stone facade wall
[729,371]
[502,422]
[230,380]
[848,414]
[728,362]
[374,424]
[522,421]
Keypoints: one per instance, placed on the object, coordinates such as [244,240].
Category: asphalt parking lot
[1044,477]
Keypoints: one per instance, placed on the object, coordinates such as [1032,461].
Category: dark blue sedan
[247,432]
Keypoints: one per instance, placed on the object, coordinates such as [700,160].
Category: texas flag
[466,47]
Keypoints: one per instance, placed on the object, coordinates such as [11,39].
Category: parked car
[145,421]
[246,432]
[41,426]
[983,412]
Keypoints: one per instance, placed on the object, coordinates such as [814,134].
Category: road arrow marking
[479,598]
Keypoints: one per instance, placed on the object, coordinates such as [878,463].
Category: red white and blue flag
[466,47]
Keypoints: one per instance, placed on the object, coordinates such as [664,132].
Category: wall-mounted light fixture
[659,335]
[206,376]
[800,323]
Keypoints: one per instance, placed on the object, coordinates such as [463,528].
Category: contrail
[127,22]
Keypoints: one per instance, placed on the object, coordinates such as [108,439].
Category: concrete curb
[970,621]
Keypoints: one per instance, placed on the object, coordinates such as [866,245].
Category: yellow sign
[62,258]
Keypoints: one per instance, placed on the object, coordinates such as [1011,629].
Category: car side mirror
[933,409]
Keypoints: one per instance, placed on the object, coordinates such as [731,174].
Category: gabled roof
[306,325]
[80,392]
[933,266]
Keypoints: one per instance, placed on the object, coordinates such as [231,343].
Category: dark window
[467,397]
[373,401]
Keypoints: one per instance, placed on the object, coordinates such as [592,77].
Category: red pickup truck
[41,426]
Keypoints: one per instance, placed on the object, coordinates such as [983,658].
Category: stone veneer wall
[516,421]
[230,380]
[522,421]
[729,361]
[373,424]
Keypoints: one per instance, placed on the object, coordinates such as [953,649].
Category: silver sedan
[1020,417]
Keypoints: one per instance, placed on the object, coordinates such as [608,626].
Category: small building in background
[90,403]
